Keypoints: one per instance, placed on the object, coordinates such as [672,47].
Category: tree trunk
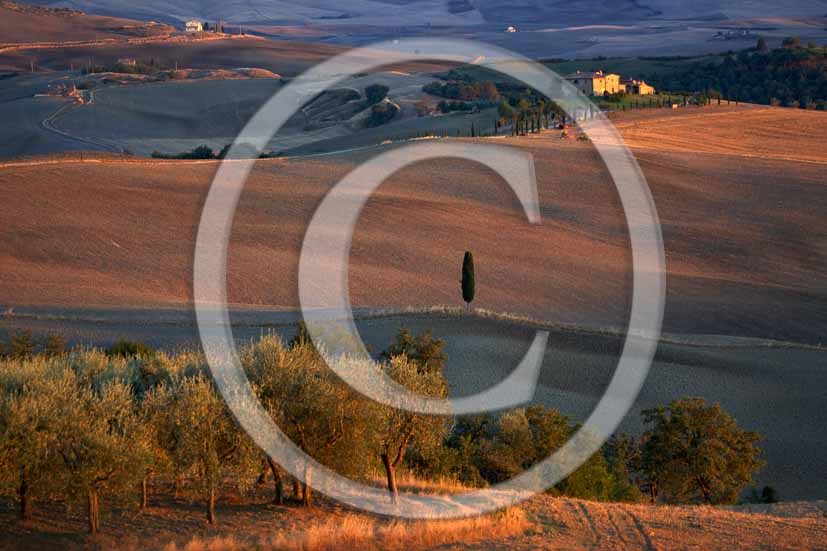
[262,477]
[705,492]
[25,502]
[307,490]
[93,510]
[144,492]
[390,471]
[297,489]
[211,520]
[278,482]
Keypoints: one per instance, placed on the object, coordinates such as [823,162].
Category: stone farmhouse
[194,26]
[638,87]
[599,83]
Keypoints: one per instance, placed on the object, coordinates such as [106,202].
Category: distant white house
[194,26]
[511,29]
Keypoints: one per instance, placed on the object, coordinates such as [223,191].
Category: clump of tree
[465,106]
[99,428]
[139,67]
[692,453]
[697,453]
[69,427]
[375,93]
[789,76]
[201,152]
[382,113]
[490,449]
[465,91]
[204,152]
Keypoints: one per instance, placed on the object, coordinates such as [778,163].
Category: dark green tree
[695,452]
[376,93]
[762,45]
[468,281]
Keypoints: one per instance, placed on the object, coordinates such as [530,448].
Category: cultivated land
[28,24]
[745,239]
[554,28]
[743,233]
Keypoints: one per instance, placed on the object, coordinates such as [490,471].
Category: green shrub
[128,349]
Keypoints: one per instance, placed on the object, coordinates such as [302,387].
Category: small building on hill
[595,83]
[638,87]
[193,26]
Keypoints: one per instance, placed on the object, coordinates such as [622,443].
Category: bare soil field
[588,28]
[204,52]
[179,115]
[745,236]
[250,522]
[26,24]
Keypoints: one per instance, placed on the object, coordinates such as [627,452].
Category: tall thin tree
[468,281]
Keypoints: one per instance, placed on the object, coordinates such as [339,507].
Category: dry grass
[356,532]
[250,521]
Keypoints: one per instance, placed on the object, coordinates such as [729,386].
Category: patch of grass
[358,532]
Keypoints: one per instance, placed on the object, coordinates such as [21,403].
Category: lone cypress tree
[468,282]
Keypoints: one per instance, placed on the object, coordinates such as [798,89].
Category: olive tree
[518,439]
[264,363]
[100,442]
[201,434]
[322,415]
[28,405]
[695,452]
[396,429]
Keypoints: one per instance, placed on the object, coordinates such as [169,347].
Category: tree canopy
[695,452]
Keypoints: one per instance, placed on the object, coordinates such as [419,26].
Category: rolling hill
[394,12]
[25,23]
[739,190]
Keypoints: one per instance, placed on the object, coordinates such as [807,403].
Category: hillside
[734,188]
[793,76]
[25,23]
[546,29]
[489,11]
[739,190]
